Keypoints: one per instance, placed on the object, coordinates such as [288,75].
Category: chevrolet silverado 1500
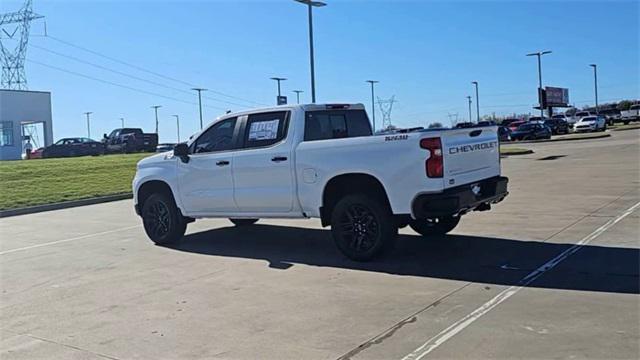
[321,161]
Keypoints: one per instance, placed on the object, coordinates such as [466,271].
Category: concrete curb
[528,152]
[556,140]
[625,129]
[63,205]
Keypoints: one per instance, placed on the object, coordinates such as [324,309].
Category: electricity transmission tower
[385,108]
[14,28]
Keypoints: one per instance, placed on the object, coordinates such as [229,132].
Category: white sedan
[590,123]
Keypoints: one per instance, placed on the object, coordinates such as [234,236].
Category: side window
[321,125]
[265,129]
[219,137]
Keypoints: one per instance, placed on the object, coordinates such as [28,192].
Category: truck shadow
[454,257]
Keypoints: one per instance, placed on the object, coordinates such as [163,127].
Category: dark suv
[531,131]
[557,126]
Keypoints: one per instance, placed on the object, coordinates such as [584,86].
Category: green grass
[45,181]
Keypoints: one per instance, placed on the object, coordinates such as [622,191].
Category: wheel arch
[150,187]
[350,183]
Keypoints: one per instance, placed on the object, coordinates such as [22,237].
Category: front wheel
[362,227]
[162,219]
[243,222]
[435,226]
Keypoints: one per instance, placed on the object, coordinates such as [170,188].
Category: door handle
[222,163]
[279,158]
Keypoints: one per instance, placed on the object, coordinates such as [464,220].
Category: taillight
[434,164]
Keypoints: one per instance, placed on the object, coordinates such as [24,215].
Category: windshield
[582,114]
[588,119]
[635,107]
[558,116]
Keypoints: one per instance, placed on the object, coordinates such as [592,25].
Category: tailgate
[470,155]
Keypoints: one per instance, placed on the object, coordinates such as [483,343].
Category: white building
[19,109]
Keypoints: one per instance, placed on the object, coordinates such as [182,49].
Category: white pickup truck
[321,161]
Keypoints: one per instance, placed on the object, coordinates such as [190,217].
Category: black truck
[128,140]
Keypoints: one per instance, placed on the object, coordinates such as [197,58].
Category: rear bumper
[461,199]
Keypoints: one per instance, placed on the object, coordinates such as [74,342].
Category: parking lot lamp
[595,84]
[200,90]
[177,126]
[298,95]
[278,79]
[373,107]
[122,122]
[469,98]
[477,102]
[155,108]
[88,124]
[311,4]
[539,55]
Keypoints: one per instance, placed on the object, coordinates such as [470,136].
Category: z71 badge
[396,137]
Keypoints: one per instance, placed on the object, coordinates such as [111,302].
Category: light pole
[200,90]
[310,4]
[539,55]
[298,95]
[88,124]
[469,98]
[477,102]
[595,84]
[373,107]
[278,79]
[177,125]
[155,108]
[122,122]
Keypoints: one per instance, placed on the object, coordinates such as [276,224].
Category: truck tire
[162,219]
[362,228]
[243,222]
[435,227]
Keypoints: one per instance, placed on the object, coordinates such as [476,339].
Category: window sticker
[264,130]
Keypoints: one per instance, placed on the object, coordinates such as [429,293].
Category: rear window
[336,124]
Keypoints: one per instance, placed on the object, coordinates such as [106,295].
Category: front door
[263,168]
[206,182]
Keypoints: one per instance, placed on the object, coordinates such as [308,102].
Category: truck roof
[304,107]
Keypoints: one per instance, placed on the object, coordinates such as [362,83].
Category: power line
[127,74]
[118,85]
[146,70]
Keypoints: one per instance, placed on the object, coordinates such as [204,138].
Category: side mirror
[181,150]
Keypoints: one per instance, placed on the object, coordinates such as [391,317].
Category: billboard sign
[555,96]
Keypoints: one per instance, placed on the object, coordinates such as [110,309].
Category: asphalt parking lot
[552,272]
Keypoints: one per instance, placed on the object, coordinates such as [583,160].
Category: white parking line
[67,240]
[461,324]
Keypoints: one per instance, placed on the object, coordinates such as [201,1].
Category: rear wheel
[243,222]
[162,219]
[435,226]
[362,227]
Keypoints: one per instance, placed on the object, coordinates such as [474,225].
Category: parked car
[486,123]
[633,114]
[557,125]
[591,123]
[128,140]
[320,161]
[508,122]
[504,134]
[516,124]
[165,147]
[36,154]
[70,147]
[464,125]
[579,115]
[531,131]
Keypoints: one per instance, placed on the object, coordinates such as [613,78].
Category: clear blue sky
[425,53]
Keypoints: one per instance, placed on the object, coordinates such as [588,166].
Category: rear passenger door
[263,167]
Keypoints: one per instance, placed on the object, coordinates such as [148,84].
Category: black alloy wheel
[362,228]
[162,220]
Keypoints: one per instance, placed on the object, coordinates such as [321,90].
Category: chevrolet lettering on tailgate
[474,147]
